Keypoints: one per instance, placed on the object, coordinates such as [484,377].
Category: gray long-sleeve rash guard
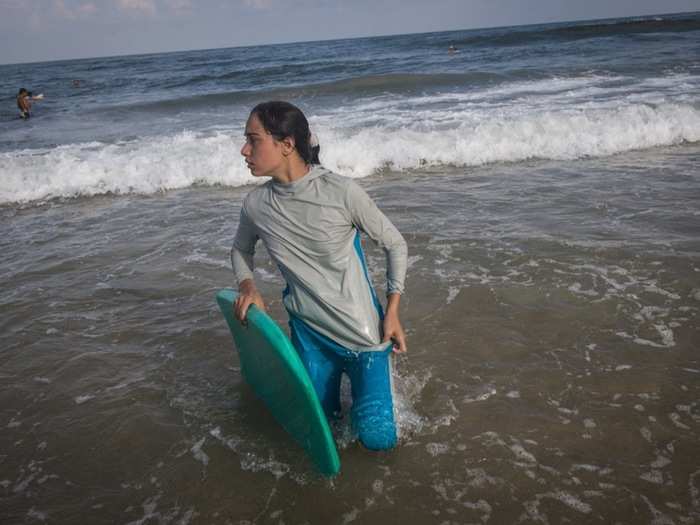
[309,228]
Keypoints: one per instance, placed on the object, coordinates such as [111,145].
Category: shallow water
[552,373]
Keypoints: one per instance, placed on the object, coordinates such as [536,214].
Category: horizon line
[270,44]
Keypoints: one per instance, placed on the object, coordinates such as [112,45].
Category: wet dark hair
[281,120]
[22,91]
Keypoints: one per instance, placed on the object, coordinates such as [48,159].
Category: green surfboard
[272,367]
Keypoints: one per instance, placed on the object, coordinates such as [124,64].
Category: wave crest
[188,158]
[146,166]
[563,135]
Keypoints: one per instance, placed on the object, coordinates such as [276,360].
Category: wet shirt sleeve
[243,249]
[367,217]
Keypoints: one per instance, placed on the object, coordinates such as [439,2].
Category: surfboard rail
[272,367]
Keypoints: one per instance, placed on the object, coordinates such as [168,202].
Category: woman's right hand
[247,294]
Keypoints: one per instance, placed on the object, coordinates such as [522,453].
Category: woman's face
[263,154]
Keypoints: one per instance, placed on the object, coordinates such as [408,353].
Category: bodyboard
[272,367]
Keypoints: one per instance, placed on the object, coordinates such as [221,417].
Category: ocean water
[547,181]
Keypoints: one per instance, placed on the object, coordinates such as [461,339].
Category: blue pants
[370,379]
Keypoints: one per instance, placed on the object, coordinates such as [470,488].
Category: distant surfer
[24,102]
[451,50]
[310,220]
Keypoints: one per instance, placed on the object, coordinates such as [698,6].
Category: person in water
[24,102]
[310,220]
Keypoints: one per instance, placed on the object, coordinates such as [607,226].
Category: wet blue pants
[370,378]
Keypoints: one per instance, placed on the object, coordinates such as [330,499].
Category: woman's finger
[241,308]
[399,342]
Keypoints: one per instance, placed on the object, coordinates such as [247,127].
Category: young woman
[310,220]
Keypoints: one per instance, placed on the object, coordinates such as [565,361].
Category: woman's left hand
[393,331]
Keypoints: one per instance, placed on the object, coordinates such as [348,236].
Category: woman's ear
[287,144]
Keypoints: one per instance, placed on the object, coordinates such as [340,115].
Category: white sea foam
[653,476]
[660,462]
[589,423]
[351,516]
[523,455]
[576,288]
[37,514]
[676,420]
[507,135]
[253,461]
[484,394]
[571,501]
[355,142]
[532,510]
[145,166]
[198,453]
[585,467]
[413,259]
[79,400]
[198,257]
[452,293]
[437,449]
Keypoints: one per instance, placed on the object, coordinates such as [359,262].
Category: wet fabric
[370,375]
[310,229]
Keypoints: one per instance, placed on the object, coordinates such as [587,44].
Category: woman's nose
[245,150]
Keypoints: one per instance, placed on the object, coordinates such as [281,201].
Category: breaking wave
[189,158]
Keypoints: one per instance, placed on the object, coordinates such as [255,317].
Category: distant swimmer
[452,50]
[24,102]
[76,83]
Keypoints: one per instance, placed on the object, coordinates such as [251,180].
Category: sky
[43,30]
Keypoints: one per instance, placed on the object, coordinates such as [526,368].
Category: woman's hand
[247,294]
[393,331]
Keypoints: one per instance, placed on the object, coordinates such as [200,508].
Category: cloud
[12,4]
[180,7]
[82,10]
[258,4]
[87,9]
[147,7]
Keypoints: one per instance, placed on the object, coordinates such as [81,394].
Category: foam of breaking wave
[354,147]
[145,166]
[564,134]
